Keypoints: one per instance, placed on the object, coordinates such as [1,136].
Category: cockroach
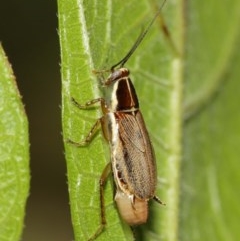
[132,156]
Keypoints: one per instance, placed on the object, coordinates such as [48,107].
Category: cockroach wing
[133,158]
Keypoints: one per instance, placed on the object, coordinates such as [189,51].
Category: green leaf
[14,155]
[96,35]
[179,85]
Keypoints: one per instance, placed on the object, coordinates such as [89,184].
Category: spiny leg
[89,137]
[96,126]
[88,103]
[102,182]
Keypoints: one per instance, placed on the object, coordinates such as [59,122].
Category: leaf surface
[14,155]
[177,81]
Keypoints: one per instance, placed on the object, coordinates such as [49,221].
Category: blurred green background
[28,33]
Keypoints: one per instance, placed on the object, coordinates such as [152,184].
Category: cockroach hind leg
[102,182]
[97,233]
[158,200]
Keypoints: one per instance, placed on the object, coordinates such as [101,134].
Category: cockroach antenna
[138,41]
